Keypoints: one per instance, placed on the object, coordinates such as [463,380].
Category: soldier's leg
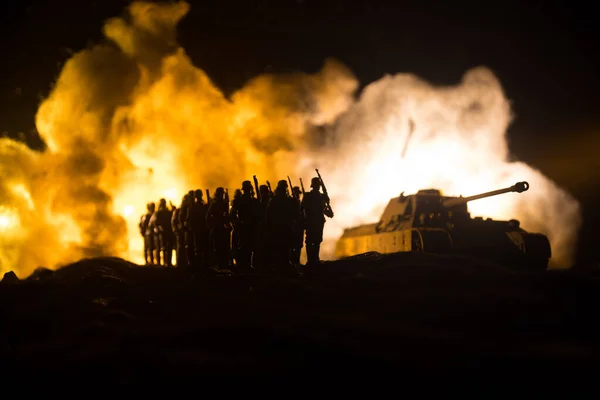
[258,256]
[218,250]
[212,248]
[180,256]
[152,248]
[311,255]
[310,259]
[189,248]
[167,255]
[234,246]
[205,259]
[223,254]
[157,250]
[246,249]
[227,257]
[201,247]
[163,251]
[197,249]
[318,239]
[146,251]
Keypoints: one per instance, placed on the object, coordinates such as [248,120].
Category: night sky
[544,53]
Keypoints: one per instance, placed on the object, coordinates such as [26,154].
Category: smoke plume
[133,120]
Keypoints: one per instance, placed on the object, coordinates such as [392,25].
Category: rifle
[227,195]
[291,186]
[269,185]
[302,186]
[207,197]
[256,187]
[327,204]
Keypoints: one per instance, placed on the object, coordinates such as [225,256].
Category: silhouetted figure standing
[245,215]
[148,234]
[196,221]
[262,253]
[188,235]
[235,228]
[314,209]
[179,231]
[161,224]
[298,228]
[281,214]
[220,227]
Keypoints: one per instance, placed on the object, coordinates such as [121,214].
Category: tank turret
[430,222]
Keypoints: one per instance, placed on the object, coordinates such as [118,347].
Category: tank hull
[430,222]
[513,247]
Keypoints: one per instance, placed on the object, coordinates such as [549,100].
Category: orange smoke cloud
[134,120]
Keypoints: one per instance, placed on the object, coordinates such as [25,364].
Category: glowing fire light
[136,122]
[128,211]
[170,195]
[8,220]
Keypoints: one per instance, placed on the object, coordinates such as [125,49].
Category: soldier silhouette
[147,233]
[298,228]
[161,225]
[178,231]
[176,234]
[314,207]
[262,254]
[220,227]
[281,215]
[188,236]
[196,221]
[235,228]
[245,216]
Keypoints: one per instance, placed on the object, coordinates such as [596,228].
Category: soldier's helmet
[264,190]
[296,190]
[237,194]
[282,184]
[219,192]
[151,207]
[315,182]
[198,194]
[247,186]
[162,204]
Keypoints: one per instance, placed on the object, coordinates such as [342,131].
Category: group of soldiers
[258,230]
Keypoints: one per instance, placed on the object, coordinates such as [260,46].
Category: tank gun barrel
[518,187]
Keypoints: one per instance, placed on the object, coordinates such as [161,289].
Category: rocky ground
[368,314]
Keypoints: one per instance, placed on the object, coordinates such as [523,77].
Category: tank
[430,222]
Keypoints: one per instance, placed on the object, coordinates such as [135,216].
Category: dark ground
[370,315]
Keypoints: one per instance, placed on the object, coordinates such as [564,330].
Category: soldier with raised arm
[314,207]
